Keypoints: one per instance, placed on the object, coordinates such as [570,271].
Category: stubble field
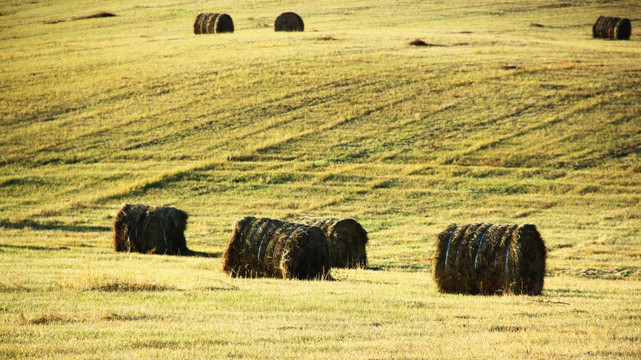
[503,122]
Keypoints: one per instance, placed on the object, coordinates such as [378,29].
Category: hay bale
[223,24]
[149,229]
[198,23]
[615,28]
[261,247]
[347,240]
[213,23]
[490,259]
[289,21]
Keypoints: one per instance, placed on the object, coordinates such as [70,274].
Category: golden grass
[505,123]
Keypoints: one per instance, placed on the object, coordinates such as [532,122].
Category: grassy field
[502,122]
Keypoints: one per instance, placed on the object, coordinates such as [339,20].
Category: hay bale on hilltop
[490,259]
[607,27]
[347,240]
[289,21]
[150,229]
[261,247]
[213,23]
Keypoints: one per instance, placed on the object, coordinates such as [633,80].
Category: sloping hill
[499,122]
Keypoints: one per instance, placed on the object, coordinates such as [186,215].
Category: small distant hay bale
[261,247]
[289,21]
[615,28]
[347,240]
[490,259]
[213,23]
[150,230]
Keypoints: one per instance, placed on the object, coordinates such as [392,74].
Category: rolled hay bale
[198,23]
[607,27]
[223,24]
[490,259]
[261,247]
[289,21]
[213,23]
[346,238]
[150,230]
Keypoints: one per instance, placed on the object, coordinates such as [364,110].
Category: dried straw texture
[289,21]
[213,23]
[273,248]
[199,23]
[146,229]
[615,28]
[347,240]
[490,259]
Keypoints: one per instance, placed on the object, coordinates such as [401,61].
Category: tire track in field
[177,172]
[447,159]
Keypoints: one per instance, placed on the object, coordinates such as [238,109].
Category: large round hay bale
[197,23]
[608,27]
[261,247]
[347,240]
[200,22]
[490,259]
[223,24]
[289,21]
[213,23]
[149,229]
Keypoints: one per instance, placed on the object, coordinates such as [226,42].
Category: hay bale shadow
[101,14]
[419,42]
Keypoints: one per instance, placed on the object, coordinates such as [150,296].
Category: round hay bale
[490,259]
[223,24]
[261,247]
[213,23]
[347,240]
[206,20]
[150,230]
[198,23]
[289,21]
[615,28]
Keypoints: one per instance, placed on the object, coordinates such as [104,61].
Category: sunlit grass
[503,123]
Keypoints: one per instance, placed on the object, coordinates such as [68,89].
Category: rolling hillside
[514,115]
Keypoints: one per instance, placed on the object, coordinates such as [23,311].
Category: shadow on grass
[31,247]
[38,226]
[201,254]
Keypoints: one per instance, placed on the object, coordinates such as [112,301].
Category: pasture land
[503,122]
